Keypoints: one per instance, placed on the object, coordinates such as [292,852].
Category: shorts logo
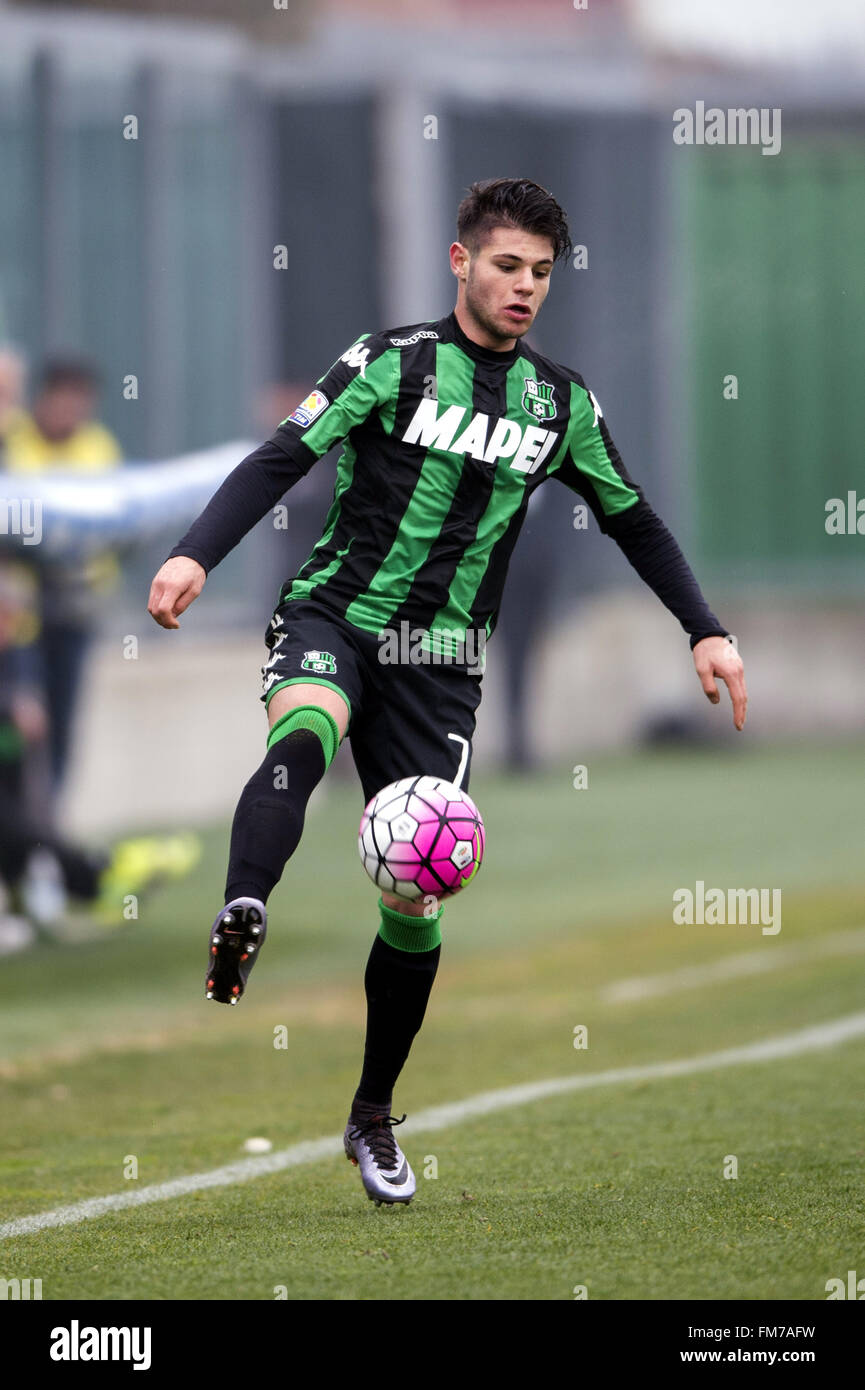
[321,662]
[538,399]
[309,409]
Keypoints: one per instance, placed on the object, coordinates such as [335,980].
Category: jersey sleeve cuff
[191,552]
[707,632]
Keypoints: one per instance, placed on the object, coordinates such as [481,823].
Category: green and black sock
[399,977]
[268,822]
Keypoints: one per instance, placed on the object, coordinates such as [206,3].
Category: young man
[449,426]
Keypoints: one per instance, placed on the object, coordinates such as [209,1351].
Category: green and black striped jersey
[443,443]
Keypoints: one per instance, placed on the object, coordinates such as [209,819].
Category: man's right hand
[174,587]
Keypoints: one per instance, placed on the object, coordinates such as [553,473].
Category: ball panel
[406,888]
[404,827]
[463,854]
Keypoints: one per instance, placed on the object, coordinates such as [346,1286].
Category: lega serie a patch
[538,399]
[323,663]
[309,409]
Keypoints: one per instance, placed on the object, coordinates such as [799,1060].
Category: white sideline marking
[756,962]
[812,1039]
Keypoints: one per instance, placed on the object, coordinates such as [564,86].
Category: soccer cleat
[384,1169]
[236,938]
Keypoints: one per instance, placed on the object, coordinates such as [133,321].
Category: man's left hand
[715,656]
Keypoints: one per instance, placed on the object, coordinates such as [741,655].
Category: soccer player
[448,427]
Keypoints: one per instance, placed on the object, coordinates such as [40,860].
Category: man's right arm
[359,382]
[248,493]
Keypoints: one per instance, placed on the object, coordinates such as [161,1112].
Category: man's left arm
[593,467]
[656,556]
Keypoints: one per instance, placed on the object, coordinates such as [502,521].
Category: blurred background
[203,204]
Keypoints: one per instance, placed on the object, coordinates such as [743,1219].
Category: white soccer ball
[421,836]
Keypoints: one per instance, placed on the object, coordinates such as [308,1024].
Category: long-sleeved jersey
[444,442]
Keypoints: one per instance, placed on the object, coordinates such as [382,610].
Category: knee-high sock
[398,981]
[268,822]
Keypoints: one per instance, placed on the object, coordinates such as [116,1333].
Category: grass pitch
[110,1053]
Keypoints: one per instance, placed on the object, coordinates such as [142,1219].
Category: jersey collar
[475,351]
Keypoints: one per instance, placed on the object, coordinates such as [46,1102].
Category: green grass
[109,1050]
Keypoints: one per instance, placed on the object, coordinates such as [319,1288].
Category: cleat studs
[210,984]
[232,1001]
[217,941]
[235,989]
[250,946]
[209,994]
[244,956]
[256,931]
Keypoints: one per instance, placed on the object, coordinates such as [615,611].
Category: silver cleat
[384,1169]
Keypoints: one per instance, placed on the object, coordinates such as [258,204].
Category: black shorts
[404,719]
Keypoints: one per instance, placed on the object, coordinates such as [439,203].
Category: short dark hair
[58,372]
[516,203]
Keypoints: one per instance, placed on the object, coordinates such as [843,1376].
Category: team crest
[538,399]
[321,662]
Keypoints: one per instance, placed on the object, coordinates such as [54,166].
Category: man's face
[502,285]
[61,410]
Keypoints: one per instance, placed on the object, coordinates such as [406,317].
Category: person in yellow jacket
[60,434]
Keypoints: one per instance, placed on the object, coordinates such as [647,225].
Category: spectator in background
[34,865]
[12,377]
[61,435]
[41,871]
[46,617]
[60,431]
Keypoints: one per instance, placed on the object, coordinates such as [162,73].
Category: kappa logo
[526,448]
[323,663]
[309,409]
[538,399]
[415,338]
[357,356]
